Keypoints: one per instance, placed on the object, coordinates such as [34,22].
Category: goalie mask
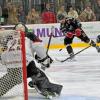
[98,39]
[21,27]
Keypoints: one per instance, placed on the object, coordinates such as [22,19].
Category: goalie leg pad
[32,69]
[42,82]
[55,88]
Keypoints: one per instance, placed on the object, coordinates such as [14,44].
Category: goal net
[13,82]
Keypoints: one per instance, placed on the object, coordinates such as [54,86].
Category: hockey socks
[70,52]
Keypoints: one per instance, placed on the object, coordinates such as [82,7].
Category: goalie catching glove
[45,62]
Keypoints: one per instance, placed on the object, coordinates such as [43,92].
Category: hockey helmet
[60,17]
[21,26]
[98,39]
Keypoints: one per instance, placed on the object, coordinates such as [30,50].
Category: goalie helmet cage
[13,74]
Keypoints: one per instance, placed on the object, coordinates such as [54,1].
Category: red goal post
[13,74]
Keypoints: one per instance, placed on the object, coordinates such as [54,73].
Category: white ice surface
[80,79]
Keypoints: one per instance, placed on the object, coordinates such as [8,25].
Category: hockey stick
[73,55]
[52,31]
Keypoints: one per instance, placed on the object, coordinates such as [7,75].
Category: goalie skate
[48,94]
[44,92]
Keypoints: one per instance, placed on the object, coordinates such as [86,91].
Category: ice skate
[72,58]
[44,92]
[48,94]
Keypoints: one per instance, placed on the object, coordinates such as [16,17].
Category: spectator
[21,15]
[48,16]
[33,17]
[87,14]
[5,14]
[62,11]
[0,11]
[72,13]
[97,9]
[12,15]
[0,14]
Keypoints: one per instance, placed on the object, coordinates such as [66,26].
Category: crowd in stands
[10,14]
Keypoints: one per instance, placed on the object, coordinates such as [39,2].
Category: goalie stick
[73,55]
[52,31]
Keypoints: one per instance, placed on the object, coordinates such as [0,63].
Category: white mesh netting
[11,73]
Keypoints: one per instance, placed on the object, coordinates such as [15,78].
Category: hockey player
[39,78]
[37,47]
[71,27]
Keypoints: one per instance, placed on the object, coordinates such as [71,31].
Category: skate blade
[71,60]
[53,97]
[49,97]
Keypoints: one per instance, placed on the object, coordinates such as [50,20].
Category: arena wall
[43,31]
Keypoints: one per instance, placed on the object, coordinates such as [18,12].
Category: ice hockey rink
[80,78]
